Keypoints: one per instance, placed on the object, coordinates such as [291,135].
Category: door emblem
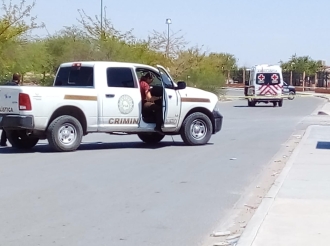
[125,104]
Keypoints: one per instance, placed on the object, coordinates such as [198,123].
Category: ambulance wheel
[280,103]
[151,138]
[196,129]
[251,103]
[274,104]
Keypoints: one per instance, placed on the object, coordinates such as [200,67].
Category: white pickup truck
[90,97]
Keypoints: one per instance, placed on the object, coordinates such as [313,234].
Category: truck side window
[75,76]
[120,77]
[167,81]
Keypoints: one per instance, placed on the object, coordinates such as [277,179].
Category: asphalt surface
[117,191]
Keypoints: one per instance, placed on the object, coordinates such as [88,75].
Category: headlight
[217,107]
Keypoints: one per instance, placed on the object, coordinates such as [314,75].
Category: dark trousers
[3,138]
[157,110]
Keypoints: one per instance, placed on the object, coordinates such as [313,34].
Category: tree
[92,28]
[15,26]
[174,44]
[301,64]
[39,58]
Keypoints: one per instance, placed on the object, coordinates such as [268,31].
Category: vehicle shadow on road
[44,148]
[257,106]
[323,145]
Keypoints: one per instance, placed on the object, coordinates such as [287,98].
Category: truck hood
[190,92]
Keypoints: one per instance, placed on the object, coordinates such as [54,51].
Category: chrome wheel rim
[67,134]
[198,129]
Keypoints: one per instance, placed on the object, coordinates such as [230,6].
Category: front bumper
[217,122]
[16,121]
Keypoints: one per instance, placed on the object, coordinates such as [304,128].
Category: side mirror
[181,85]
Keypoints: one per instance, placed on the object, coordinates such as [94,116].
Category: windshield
[268,78]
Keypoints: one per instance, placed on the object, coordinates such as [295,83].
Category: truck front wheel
[151,138]
[20,140]
[196,129]
[64,134]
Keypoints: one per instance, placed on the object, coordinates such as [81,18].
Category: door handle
[109,95]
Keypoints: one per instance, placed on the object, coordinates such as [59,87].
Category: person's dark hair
[16,77]
[147,75]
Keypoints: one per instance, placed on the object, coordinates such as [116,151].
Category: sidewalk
[296,210]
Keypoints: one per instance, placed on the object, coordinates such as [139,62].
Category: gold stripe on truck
[79,97]
[194,99]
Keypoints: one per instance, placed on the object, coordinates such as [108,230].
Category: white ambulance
[265,85]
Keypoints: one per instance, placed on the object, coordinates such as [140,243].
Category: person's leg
[157,111]
[159,116]
[146,108]
[3,140]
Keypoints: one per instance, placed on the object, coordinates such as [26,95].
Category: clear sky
[255,31]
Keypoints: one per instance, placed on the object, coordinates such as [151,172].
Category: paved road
[118,192]
[234,92]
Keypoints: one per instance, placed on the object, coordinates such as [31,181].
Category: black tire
[151,138]
[291,95]
[251,103]
[57,139]
[19,140]
[274,104]
[187,131]
[280,103]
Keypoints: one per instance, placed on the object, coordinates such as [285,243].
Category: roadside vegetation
[37,59]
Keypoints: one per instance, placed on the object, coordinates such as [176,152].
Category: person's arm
[151,98]
[146,89]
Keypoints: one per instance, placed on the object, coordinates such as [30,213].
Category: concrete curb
[325,110]
[321,112]
[251,231]
[324,97]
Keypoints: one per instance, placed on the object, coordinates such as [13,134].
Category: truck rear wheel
[18,139]
[151,138]
[196,129]
[64,134]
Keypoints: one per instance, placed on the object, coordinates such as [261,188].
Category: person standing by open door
[14,82]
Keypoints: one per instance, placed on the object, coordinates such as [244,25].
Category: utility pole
[101,18]
[168,22]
